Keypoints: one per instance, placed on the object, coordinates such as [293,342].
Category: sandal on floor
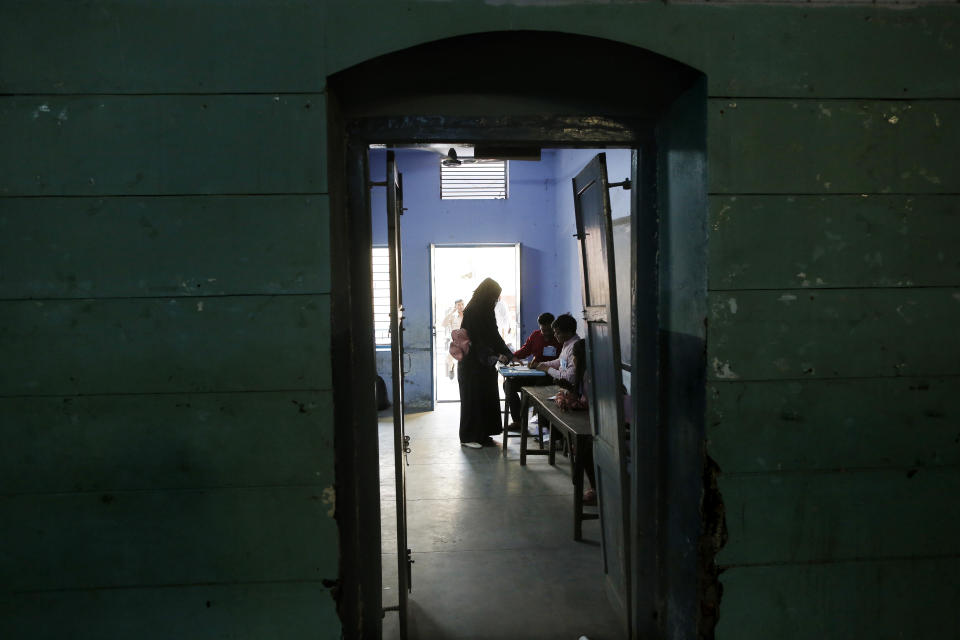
[471,445]
[589,497]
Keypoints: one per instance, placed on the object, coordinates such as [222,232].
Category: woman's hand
[504,359]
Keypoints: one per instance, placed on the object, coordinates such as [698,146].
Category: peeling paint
[936,120]
[787,297]
[732,303]
[929,177]
[825,111]
[893,119]
[200,306]
[330,498]
[721,216]
[723,370]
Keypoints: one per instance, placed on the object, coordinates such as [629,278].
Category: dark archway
[514,73]
[542,88]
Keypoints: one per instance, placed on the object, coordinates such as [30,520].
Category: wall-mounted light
[451,160]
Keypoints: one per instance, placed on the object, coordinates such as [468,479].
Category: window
[477,180]
[381,296]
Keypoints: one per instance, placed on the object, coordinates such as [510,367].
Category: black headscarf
[485,296]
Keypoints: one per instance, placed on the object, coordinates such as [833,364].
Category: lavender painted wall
[527,217]
[538,214]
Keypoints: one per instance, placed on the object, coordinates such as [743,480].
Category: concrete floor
[493,549]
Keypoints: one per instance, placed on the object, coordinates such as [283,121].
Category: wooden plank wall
[164,307]
[834,396]
[164,320]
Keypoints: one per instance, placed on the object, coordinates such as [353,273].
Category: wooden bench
[575,426]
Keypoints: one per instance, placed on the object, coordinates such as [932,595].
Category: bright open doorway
[455,271]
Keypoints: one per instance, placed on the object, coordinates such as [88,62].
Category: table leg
[507,391]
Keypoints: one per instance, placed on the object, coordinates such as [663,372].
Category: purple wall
[527,217]
[538,214]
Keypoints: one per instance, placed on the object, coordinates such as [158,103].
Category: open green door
[400,441]
[595,233]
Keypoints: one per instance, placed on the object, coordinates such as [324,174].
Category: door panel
[394,211]
[597,272]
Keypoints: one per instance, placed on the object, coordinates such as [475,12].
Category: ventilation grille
[482,180]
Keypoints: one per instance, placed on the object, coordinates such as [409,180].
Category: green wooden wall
[164,321]
[164,307]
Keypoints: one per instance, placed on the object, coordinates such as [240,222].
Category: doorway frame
[433,295]
[668,303]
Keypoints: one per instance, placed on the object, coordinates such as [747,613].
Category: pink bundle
[459,344]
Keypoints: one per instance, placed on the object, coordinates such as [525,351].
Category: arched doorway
[524,90]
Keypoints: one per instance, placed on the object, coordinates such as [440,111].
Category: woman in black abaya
[480,415]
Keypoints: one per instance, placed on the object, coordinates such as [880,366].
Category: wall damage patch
[330,498]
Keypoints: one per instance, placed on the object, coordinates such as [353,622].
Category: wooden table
[574,425]
[514,378]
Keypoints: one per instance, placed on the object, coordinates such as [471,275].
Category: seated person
[561,368]
[542,345]
[579,389]
[569,372]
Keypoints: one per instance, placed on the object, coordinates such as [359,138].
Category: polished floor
[493,549]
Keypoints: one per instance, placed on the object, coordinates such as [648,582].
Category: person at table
[578,390]
[541,345]
[561,368]
[476,375]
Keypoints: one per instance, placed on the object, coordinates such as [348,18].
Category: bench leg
[524,402]
[577,496]
[553,445]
